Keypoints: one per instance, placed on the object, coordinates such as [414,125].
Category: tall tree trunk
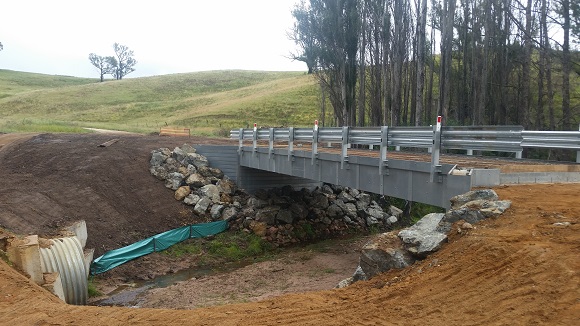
[362,71]
[524,109]
[566,67]
[421,44]
[446,50]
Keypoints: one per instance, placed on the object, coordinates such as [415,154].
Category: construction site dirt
[522,268]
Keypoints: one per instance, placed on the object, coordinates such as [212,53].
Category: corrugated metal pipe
[65,256]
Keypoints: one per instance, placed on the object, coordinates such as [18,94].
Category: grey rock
[319,201]
[395,211]
[188,149]
[298,211]
[377,213]
[334,211]
[267,214]
[202,205]
[196,180]
[346,197]
[191,199]
[157,158]
[359,275]
[179,155]
[363,201]
[285,216]
[392,220]
[257,203]
[226,186]
[354,192]
[423,237]
[159,172]
[344,283]
[350,210]
[212,192]
[384,253]
[174,180]
[484,194]
[326,189]
[216,212]
[196,159]
[229,213]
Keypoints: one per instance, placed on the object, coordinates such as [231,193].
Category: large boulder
[483,194]
[381,254]
[174,180]
[202,205]
[212,192]
[423,238]
[196,180]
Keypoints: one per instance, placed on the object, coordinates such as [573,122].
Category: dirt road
[522,268]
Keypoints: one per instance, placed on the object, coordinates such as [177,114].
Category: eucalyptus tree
[105,65]
[124,61]
[333,28]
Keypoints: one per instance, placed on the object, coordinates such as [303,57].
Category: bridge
[403,162]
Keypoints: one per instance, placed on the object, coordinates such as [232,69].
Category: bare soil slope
[49,181]
[518,269]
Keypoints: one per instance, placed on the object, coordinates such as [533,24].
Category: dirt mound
[522,268]
[49,181]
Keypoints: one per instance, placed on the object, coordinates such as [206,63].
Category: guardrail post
[241,144]
[255,137]
[290,143]
[470,152]
[270,143]
[383,161]
[314,143]
[435,166]
[344,153]
[578,152]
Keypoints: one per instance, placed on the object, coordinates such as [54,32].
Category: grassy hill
[210,103]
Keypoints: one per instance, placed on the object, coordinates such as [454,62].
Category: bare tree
[105,65]
[125,61]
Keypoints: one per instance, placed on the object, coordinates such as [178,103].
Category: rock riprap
[282,216]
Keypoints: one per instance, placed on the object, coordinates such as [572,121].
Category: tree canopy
[471,61]
[119,65]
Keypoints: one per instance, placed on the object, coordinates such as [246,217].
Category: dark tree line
[119,65]
[400,62]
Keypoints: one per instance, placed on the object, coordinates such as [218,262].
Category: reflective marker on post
[315,124]
[438,123]
[255,126]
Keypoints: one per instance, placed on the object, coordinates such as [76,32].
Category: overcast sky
[167,36]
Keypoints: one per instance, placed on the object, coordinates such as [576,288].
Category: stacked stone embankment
[282,216]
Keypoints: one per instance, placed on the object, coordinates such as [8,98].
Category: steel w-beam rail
[483,138]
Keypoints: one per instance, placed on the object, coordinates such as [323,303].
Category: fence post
[270,143]
[241,146]
[435,166]
[255,137]
[314,142]
[344,153]
[290,143]
[578,152]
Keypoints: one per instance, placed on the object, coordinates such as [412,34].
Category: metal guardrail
[482,138]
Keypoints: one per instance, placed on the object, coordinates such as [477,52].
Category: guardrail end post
[578,152]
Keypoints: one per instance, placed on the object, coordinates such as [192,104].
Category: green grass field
[210,103]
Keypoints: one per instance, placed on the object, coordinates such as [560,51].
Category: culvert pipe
[65,256]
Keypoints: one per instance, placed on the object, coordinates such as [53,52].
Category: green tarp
[159,242]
